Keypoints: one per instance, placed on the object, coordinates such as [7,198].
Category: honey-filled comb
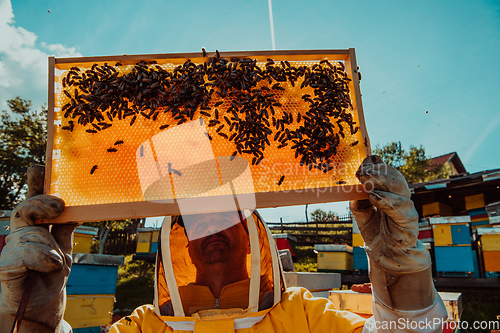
[150,135]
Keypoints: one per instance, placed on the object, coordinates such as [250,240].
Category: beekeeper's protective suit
[189,297]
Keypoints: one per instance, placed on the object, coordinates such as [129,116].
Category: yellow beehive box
[82,243]
[436,208]
[89,310]
[357,240]
[490,242]
[143,247]
[82,240]
[144,236]
[442,235]
[474,201]
[154,237]
[334,257]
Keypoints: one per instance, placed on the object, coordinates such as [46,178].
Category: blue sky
[415,56]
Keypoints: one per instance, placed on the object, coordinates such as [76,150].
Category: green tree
[23,142]
[320,215]
[413,164]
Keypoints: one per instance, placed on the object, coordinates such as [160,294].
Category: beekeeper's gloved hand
[400,266]
[31,248]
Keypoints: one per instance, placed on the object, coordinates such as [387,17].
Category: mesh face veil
[218,236]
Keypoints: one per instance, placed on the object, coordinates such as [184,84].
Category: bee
[70,127]
[206,114]
[133,120]
[218,103]
[204,53]
[91,131]
[128,320]
[366,142]
[280,181]
[66,93]
[112,150]
[354,143]
[162,127]
[118,143]
[223,135]
[118,64]
[233,155]
[217,54]
[94,168]
[341,182]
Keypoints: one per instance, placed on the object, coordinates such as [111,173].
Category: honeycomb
[136,157]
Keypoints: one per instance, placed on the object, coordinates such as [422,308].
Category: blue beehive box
[93,274]
[454,259]
[360,260]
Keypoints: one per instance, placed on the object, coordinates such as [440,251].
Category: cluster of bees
[101,95]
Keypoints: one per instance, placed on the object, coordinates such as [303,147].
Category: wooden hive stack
[91,291]
[452,246]
[476,208]
[336,258]
[359,258]
[489,247]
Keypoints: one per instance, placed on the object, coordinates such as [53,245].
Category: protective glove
[46,254]
[400,266]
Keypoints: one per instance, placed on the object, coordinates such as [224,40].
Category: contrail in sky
[271,22]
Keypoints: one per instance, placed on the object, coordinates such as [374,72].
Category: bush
[135,286]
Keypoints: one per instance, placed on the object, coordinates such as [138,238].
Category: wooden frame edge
[148,209]
[50,126]
[352,64]
[227,54]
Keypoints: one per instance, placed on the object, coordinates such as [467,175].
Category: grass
[305,259]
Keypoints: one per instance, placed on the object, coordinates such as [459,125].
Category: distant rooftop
[452,160]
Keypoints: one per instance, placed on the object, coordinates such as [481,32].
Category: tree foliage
[320,215]
[23,141]
[413,164]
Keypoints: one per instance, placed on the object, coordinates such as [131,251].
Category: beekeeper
[220,272]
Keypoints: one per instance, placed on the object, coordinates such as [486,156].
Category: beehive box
[89,310]
[436,208]
[91,290]
[334,258]
[285,242]
[82,240]
[454,260]
[360,260]
[147,240]
[489,243]
[93,274]
[149,135]
[449,231]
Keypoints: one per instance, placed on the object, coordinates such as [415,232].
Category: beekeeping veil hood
[176,273]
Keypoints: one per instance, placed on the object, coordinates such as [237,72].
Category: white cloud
[23,66]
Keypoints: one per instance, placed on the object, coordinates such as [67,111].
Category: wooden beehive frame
[271,199]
